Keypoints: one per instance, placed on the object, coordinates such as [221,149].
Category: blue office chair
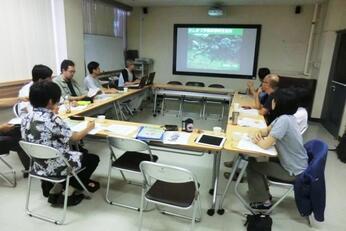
[307,183]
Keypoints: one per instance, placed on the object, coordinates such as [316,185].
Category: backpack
[258,222]
[341,149]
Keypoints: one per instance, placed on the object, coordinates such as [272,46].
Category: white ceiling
[211,2]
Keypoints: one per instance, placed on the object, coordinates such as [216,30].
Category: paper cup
[217,130]
[236,136]
[101,118]
[126,89]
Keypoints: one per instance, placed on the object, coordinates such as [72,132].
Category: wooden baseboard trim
[11,89]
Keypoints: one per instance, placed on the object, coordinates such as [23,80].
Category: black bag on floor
[341,149]
[258,222]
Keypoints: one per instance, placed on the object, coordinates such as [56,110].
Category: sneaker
[228,164]
[53,198]
[260,205]
[72,200]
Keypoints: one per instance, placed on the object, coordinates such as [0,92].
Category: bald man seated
[269,85]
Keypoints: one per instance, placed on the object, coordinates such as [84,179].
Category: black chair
[133,153]
[166,97]
[195,84]
[223,103]
[172,187]
[191,99]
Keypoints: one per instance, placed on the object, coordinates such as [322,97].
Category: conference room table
[191,148]
[191,92]
[231,145]
[101,104]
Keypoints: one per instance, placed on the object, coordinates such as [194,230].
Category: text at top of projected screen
[215,31]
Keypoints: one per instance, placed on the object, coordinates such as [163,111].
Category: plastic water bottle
[67,104]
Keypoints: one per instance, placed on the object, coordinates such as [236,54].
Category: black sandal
[93,188]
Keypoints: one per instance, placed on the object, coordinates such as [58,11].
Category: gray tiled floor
[95,214]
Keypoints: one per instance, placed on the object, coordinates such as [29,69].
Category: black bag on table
[258,222]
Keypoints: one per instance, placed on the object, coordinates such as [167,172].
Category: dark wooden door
[334,103]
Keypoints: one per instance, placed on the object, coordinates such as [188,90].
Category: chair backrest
[16,110]
[127,144]
[174,83]
[195,84]
[317,151]
[39,151]
[216,85]
[166,173]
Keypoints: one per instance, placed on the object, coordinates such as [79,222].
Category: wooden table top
[191,143]
[101,102]
[231,143]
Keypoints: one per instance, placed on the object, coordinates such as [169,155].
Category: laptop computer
[139,85]
[151,78]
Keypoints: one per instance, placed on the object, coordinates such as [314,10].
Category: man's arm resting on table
[266,142]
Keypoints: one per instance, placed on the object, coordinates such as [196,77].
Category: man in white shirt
[39,72]
[91,81]
[127,75]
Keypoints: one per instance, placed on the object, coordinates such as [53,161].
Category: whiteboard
[108,51]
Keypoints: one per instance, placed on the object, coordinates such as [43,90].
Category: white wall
[335,20]
[26,38]
[74,36]
[283,41]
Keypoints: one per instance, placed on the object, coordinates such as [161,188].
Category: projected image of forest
[214,48]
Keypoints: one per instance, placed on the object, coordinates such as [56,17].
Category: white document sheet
[123,130]
[92,92]
[250,112]
[253,123]
[15,121]
[82,125]
[247,144]
[173,137]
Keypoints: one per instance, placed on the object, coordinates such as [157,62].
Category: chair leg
[108,181]
[42,217]
[141,211]
[223,112]
[163,107]
[65,201]
[279,201]
[27,210]
[116,111]
[195,207]
[108,200]
[204,110]
[81,184]
[180,113]
[8,181]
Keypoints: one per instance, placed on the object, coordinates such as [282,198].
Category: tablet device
[211,140]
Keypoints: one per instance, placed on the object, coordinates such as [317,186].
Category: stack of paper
[253,123]
[173,137]
[150,133]
[246,144]
[250,112]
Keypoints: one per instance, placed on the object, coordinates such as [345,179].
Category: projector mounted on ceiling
[215,11]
